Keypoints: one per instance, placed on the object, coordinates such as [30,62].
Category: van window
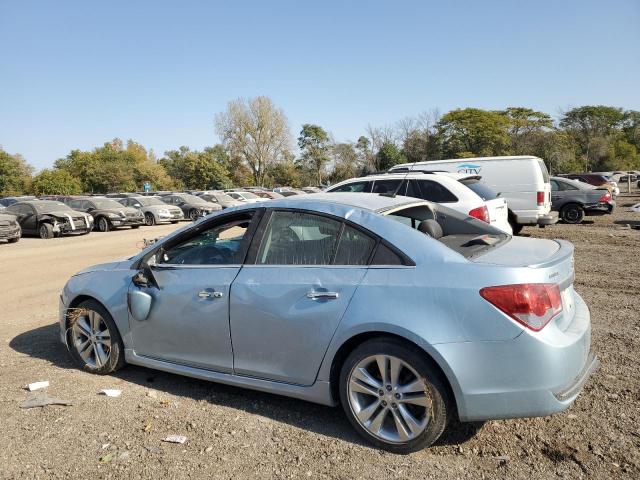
[545,172]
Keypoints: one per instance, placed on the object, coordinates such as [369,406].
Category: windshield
[248,195]
[148,201]
[50,206]
[106,203]
[222,197]
[188,198]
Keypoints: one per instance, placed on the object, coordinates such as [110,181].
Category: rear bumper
[550,218]
[535,374]
[600,208]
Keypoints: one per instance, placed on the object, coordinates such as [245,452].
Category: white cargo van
[522,180]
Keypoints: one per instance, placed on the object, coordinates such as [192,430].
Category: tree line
[256,148]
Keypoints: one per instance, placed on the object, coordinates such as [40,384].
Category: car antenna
[395,192]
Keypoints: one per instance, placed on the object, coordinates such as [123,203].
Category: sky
[75,74]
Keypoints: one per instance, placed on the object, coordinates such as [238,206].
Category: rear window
[545,172]
[484,192]
[435,192]
[353,187]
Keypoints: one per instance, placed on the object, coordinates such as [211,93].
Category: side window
[386,256]
[222,244]
[388,186]
[76,204]
[359,187]
[555,186]
[86,205]
[413,190]
[567,186]
[434,192]
[354,247]
[296,238]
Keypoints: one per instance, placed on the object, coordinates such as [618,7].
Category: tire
[45,231]
[14,240]
[194,214]
[103,224]
[427,404]
[173,222]
[135,226]
[149,219]
[572,213]
[94,356]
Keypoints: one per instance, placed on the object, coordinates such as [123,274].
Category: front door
[287,304]
[189,286]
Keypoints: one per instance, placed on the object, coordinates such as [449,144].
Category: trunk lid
[498,211]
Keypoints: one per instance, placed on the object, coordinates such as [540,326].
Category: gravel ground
[235,433]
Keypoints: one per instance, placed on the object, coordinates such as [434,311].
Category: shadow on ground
[43,343]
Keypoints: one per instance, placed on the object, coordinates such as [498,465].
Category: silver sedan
[404,312]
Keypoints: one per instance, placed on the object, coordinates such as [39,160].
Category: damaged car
[192,206]
[406,313]
[48,219]
[107,213]
[9,228]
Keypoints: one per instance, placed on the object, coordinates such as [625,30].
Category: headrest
[431,228]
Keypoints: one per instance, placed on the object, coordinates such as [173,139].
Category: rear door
[287,304]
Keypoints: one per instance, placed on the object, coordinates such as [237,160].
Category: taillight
[606,197]
[531,304]
[481,213]
[540,198]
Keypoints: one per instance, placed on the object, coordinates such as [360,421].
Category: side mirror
[90,209]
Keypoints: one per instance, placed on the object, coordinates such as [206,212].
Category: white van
[522,180]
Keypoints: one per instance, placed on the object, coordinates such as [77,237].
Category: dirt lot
[239,433]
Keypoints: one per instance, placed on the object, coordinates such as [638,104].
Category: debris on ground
[108,457]
[175,439]
[111,392]
[43,400]
[38,385]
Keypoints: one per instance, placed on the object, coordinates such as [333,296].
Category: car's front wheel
[103,225]
[149,219]
[93,339]
[393,395]
[194,214]
[45,231]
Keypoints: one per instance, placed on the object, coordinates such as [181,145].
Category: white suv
[462,192]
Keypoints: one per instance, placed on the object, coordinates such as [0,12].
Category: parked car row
[57,215]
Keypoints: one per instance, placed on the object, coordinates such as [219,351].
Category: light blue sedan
[405,312]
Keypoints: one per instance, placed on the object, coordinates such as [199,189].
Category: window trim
[256,214]
[252,254]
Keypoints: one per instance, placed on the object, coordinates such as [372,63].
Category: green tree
[314,145]
[388,156]
[56,182]
[256,132]
[592,126]
[346,162]
[525,128]
[473,132]
[284,173]
[114,167]
[195,170]
[15,174]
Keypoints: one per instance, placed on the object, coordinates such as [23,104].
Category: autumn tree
[56,182]
[196,170]
[255,131]
[473,132]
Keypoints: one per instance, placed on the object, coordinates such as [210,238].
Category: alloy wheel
[92,339]
[149,219]
[389,398]
[103,225]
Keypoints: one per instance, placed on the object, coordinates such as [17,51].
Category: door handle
[325,295]
[210,294]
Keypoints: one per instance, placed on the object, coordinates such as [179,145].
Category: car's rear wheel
[393,395]
[103,225]
[13,240]
[45,231]
[572,213]
[93,339]
[149,219]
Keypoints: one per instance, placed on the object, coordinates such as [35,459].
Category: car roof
[367,201]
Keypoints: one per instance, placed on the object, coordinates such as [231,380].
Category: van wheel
[45,231]
[572,213]
[393,396]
